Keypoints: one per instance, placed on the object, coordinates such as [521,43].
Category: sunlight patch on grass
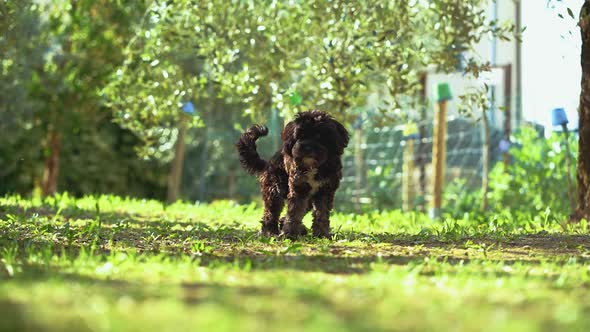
[108,263]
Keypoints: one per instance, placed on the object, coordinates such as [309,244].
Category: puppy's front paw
[269,230]
[293,231]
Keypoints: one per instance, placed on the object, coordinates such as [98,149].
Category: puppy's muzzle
[309,153]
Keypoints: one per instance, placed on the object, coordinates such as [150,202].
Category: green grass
[113,264]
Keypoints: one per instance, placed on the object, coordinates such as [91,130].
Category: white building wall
[505,54]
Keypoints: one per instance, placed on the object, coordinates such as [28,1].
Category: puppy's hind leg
[270,218]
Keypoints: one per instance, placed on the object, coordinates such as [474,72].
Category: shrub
[534,182]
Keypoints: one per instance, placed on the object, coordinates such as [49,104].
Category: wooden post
[275,129]
[568,165]
[439,148]
[203,163]
[559,118]
[408,193]
[507,112]
[439,157]
[175,176]
[485,179]
[408,168]
[359,163]
[422,148]
[518,69]
[231,179]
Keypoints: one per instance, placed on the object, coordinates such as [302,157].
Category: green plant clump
[534,183]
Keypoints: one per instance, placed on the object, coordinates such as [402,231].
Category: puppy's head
[313,138]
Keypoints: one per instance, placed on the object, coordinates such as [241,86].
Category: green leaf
[570,13]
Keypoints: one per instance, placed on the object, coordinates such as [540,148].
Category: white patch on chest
[311,180]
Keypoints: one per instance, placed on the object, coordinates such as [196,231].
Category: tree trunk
[175,176]
[51,169]
[583,209]
[485,176]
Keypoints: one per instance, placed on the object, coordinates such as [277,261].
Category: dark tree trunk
[51,169]
[583,209]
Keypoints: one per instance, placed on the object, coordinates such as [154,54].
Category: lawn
[112,264]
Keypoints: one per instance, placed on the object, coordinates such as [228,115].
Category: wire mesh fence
[374,172]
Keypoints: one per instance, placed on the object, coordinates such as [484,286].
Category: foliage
[382,196]
[80,42]
[537,177]
[158,77]
[103,160]
[142,61]
[86,63]
[475,103]
[288,55]
[212,170]
[18,57]
[55,55]
[534,183]
[111,263]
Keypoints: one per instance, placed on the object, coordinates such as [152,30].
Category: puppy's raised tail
[249,157]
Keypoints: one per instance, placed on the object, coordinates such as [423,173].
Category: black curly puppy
[306,172]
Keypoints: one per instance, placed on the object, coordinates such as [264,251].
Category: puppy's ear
[343,133]
[288,137]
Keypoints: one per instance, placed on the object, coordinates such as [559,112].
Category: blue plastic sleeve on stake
[559,117]
[188,108]
[504,145]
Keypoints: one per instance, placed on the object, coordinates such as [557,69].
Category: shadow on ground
[221,244]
